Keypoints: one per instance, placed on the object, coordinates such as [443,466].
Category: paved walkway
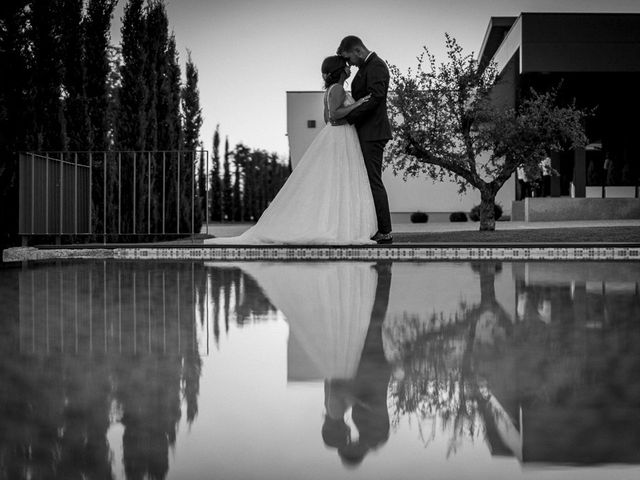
[230,230]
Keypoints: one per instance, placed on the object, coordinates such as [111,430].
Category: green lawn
[546,235]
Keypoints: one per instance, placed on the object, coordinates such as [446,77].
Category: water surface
[315,370]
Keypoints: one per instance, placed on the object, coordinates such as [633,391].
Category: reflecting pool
[359,370]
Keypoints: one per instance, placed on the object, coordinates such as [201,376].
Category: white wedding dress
[326,199]
[328,308]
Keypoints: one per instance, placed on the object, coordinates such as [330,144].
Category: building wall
[570,42]
[414,194]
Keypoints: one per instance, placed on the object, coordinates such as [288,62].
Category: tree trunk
[487,210]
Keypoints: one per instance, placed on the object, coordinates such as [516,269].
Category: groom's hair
[348,43]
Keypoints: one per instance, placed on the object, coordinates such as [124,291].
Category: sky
[249,53]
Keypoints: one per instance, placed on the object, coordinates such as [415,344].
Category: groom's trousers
[372,152]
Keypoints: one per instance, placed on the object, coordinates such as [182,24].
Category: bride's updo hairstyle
[332,69]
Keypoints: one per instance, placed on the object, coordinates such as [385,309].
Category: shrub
[419,217]
[474,214]
[458,217]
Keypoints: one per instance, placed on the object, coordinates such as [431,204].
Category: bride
[327,198]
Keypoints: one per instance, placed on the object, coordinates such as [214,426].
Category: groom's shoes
[382,238]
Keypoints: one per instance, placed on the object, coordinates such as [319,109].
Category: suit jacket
[370,119]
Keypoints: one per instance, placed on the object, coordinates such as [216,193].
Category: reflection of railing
[110,193]
[108,309]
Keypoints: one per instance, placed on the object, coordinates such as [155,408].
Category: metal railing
[111,193]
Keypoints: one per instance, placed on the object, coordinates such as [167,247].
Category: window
[311,124]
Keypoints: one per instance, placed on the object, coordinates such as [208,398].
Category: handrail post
[33,188]
[193,197]
[134,192]
[206,190]
[46,196]
[61,197]
[164,154]
[149,193]
[178,196]
[119,193]
[104,197]
[90,193]
[75,194]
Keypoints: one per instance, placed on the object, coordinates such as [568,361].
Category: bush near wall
[458,217]
[419,217]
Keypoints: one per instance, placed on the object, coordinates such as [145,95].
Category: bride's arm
[336,98]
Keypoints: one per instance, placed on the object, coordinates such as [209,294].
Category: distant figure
[545,182]
[523,183]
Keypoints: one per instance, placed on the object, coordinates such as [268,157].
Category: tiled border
[391,253]
[331,253]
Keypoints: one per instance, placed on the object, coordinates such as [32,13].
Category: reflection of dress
[327,198]
[328,308]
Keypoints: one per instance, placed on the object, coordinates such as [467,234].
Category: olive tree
[447,125]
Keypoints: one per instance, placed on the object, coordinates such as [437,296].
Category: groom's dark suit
[374,130]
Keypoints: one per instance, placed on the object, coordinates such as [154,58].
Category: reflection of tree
[88,344]
[84,345]
[434,375]
[239,294]
[149,397]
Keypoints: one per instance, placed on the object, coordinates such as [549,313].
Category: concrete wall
[563,208]
[423,194]
[303,107]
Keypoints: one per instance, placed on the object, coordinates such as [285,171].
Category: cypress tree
[215,196]
[47,75]
[96,24]
[191,107]
[16,111]
[241,159]
[77,122]
[131,116]
[192,114]
[155,71]
[227,192]
[170,134]
[131,122]
[169,120]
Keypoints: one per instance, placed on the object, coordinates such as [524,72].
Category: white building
[439,199]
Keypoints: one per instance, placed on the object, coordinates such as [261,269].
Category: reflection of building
[550,377]
[595,59]
[557,389]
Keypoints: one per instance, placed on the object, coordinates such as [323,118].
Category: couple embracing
[335,195]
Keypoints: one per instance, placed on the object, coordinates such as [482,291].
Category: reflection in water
[98,343]
[535,361]
[335,313]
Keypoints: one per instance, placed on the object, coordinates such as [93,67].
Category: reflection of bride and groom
[338,333]
[335,314]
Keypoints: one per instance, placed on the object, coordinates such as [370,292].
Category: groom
[371,122]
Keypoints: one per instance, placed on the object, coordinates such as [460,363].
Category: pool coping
[410,252]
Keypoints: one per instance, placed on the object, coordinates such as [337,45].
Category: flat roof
[565,41]
[496,31]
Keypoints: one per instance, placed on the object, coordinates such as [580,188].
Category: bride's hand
[363,100]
